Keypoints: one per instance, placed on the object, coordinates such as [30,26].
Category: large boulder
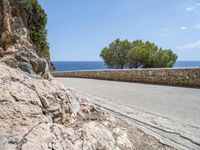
[41,114]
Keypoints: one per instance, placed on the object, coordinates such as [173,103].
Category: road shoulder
[165,130]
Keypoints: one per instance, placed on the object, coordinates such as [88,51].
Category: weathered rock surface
[42,114]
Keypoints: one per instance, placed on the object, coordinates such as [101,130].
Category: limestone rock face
[41,114]
[16,47]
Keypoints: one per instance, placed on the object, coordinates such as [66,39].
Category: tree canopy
[120,54]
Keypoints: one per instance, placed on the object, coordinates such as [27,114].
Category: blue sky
[79,29]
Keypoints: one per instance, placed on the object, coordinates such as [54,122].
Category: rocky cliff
[20,46]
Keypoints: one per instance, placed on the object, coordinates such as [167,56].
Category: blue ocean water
[94,65]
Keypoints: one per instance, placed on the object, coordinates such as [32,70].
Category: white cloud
[194,7]
[190,8]
[183,28]
[197,26]
[192,45]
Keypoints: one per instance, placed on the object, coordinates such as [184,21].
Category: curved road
[172,114]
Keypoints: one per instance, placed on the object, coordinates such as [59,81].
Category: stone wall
[177,76]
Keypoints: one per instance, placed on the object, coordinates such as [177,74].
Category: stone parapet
[189,77]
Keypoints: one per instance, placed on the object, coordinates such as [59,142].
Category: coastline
[99,65]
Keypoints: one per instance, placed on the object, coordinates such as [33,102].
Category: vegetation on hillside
[120,54]
[36,20]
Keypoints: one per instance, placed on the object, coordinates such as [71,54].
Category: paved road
[172,112]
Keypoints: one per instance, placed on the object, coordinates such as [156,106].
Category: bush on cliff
[120,54]
[36,20]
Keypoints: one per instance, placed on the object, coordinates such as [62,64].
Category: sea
[96,65]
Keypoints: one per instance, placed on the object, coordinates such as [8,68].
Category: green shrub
[36,20]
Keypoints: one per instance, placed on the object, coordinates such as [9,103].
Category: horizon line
[99,60]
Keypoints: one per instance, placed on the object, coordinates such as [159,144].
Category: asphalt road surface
[172,114]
